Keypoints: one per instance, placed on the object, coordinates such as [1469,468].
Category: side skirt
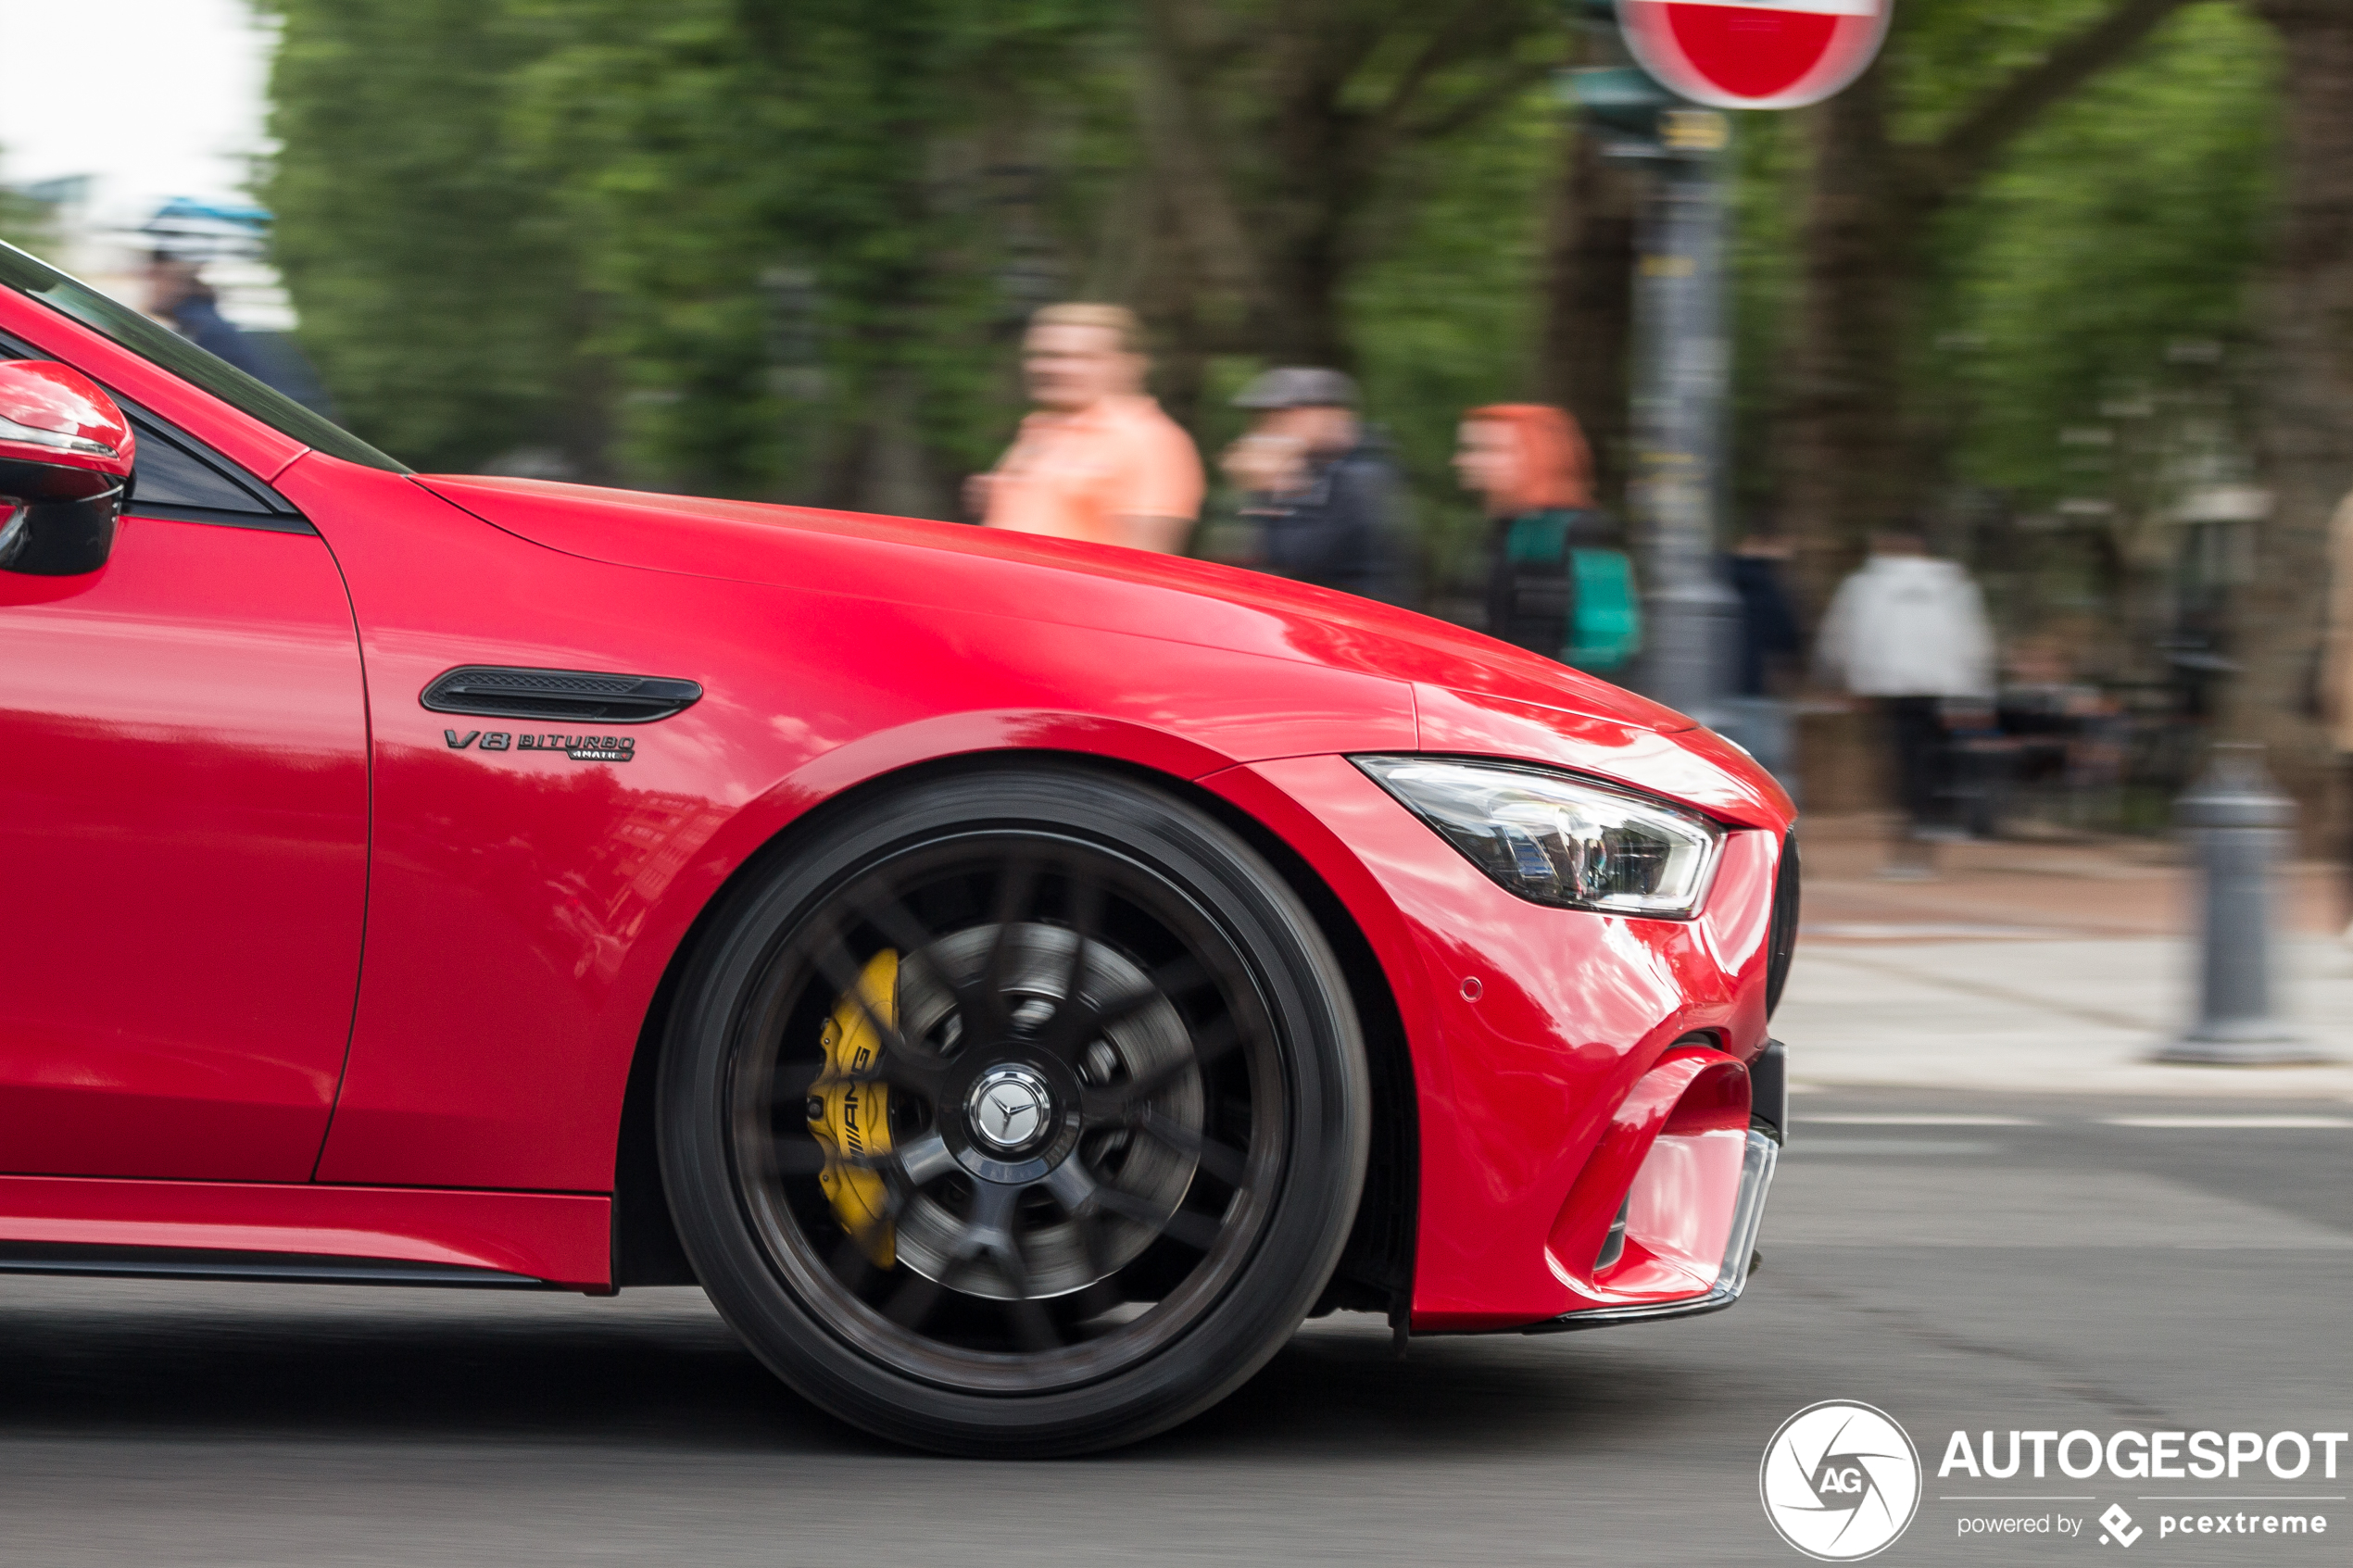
[289,1231]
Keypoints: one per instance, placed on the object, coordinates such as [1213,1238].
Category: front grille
[567,696]
[1781,941]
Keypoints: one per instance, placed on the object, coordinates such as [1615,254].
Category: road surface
[2045,1268]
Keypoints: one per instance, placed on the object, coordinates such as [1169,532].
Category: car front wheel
[1023,1112]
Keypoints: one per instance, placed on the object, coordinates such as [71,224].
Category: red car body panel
[1516,1083]
[183,820]
[498,1061]
[522,908]
[936,567]
[532,1236]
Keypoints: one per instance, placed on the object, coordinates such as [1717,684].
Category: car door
[184,828]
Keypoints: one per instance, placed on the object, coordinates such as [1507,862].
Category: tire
[1016,1112]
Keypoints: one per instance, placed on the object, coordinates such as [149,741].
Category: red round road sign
[1754,54]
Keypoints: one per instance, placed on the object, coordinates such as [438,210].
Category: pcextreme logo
[1839,1481]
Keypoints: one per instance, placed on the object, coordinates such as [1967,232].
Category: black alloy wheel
[1023,1112]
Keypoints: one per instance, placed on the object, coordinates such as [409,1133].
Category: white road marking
[1925,930]
[1860,1119]
[1987,1203]
[2256,1123]
[1801,1147]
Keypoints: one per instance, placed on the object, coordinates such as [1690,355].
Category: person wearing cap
[1099,460]
[1319,487]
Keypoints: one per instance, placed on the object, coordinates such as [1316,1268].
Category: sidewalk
[2050,967]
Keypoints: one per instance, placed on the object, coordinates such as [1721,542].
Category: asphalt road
[2058,1274]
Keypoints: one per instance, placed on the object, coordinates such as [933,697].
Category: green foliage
[786,208]
[2124,231]
[783,247]
[437,286]
[1448,317]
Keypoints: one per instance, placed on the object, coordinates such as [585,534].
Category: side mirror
[66,453]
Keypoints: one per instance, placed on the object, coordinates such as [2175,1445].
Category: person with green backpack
[1559,581]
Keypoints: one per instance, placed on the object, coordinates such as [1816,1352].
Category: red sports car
[1017,980]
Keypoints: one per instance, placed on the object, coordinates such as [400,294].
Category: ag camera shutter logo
[1839,1481]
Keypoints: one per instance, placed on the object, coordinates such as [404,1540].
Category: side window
[172,474]
[180,477]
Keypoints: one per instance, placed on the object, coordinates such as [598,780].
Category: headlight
[1558,840]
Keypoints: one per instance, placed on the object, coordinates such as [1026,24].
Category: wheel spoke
[924,1160]
[881,909]
[793,1082]
[1196,1231]
[910,1305]
[852,1266]
[983,998]
[1083,908]
[1118,1103]
[1096,1299]
[1227,1163]
[801,1155]
[1033,1325]
[1096,1244]
[1076,1022]
[991,1227]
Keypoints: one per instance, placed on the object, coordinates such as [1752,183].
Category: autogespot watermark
[1841,1481]
[2154,1457]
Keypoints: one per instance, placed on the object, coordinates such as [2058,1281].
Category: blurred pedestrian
[2336,662]
[1319,492]
[178,295]
[1099,460]
[1559,581]
[1908,633]
[1756,711]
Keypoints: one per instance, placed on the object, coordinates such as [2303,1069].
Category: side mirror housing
[66,456]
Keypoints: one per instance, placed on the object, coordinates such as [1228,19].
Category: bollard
[2241,821]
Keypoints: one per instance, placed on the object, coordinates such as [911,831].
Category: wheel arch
[1376,1270]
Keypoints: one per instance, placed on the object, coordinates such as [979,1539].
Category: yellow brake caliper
[854,1123]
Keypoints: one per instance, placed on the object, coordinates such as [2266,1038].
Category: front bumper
[1739,1251]
[1570,1072]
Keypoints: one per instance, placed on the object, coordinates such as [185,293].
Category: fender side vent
[573,696]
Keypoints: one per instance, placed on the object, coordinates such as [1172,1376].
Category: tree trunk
[1316,193]
[2304,402]
[1589,304]
[1843,440]
[1853,461]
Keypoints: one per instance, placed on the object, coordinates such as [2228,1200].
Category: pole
[2242,823]
[1682,365]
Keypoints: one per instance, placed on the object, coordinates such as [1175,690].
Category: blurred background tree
[2027,281]
[438,282]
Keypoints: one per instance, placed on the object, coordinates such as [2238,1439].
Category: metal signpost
[1682,372]
[1694,60]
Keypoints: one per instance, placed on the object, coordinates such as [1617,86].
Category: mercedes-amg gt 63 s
[1017,980]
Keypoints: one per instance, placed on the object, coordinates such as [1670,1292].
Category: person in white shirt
[1907,632]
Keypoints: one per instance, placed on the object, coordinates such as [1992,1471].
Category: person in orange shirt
[1097,461]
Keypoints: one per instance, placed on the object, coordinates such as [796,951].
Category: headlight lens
[1558,840]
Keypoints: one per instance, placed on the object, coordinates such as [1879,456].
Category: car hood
[1062,581]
